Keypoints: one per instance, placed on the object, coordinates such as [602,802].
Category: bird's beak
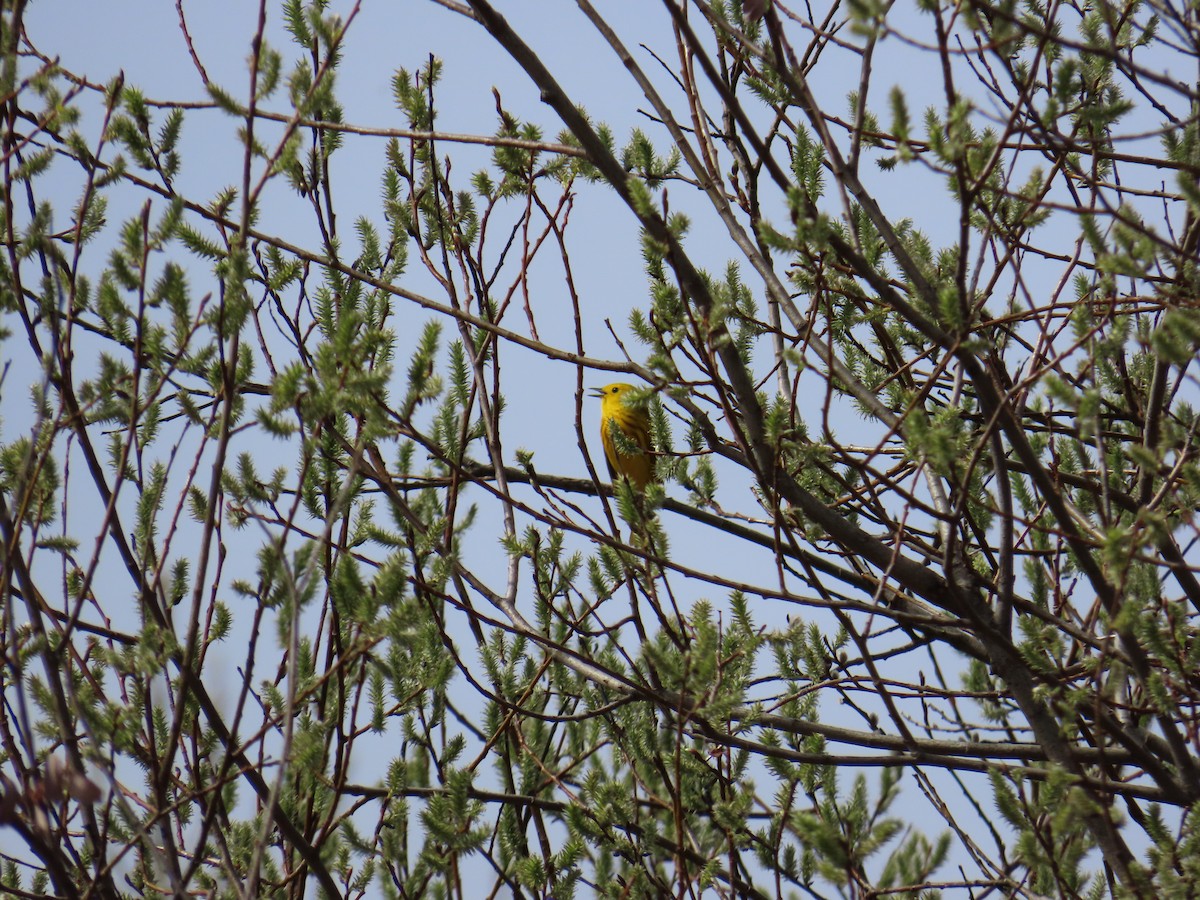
[597,392]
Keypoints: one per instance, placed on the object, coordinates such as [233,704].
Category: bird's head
[613,394]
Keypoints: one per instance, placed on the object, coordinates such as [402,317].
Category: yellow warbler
[616,411]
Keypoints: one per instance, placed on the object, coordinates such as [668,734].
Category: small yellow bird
[616,410]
